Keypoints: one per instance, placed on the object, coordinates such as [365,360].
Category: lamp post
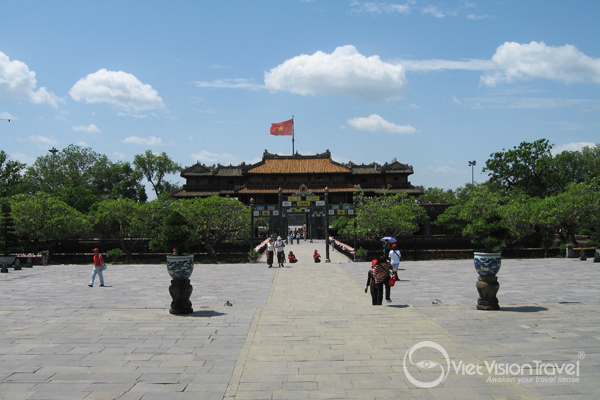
[354,203]
[251,224]
[472,164]
[280,206]
[327,225]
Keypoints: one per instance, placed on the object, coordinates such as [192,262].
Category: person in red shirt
[292,258]
[317,257]
[98,264]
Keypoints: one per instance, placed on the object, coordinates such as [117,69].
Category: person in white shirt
[280,248]
[395,257]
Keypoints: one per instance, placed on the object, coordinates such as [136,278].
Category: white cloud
[207,157]
[19,83]
[238,83]
[572,147]
[119,155]
[82,144]
[567,64]
[42,141]
[343,72]
[514,62]
[478,17]
[117,88]
[433,10]
[149,141]
[381,7]
[374,123]
[5,115]
[89,129]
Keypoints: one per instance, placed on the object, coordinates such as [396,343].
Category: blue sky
[434,84]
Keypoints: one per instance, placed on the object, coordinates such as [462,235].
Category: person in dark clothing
[371,286]
[380,276]
[387,246]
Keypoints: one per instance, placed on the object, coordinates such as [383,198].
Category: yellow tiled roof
[298,166]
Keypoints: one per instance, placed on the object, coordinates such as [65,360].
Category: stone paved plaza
[306,331]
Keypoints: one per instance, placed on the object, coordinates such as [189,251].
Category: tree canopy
[154,167]
[531,169]
[386,215]
[10,175]
[42,218]
[81,177]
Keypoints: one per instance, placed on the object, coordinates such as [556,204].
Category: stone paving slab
[300,332]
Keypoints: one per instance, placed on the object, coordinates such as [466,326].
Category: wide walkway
[301,332]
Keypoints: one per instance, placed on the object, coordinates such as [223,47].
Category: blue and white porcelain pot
[487,264]
[180,267]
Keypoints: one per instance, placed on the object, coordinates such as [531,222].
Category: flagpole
[292,135]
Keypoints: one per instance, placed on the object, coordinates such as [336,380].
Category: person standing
[387,246]
[395,257]
[381,275]
[280,249]
[98,264]
[298,237]
[270,252]
[371,286]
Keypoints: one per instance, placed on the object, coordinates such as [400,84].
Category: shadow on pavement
[203,313]
[523,309]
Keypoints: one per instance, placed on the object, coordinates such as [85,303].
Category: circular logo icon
[426,364]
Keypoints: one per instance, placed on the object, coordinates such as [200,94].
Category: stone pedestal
[488,286]
[180,291]
[4,268]
[570,252]
[17,265]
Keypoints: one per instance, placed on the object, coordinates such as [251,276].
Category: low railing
[261,245]
[343,247]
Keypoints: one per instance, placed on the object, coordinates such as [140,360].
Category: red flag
[284,128]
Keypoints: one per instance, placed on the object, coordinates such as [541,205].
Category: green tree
[386,215]
[154,167]
[10,175]
[519,215]
[42,218]
[126,220]
[577,166]
[119,181]
[81,177]
[215,220]
[8,238]
[480,217]
[528,169]
[175,233]
[438,195]
[568,212]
